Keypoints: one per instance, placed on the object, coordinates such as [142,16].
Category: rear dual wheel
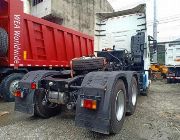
[118,107]
[118,104]
[43,108]
[132,97]
[9,85]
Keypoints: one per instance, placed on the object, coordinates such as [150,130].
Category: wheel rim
[13,86]
[119,105]
[134,95]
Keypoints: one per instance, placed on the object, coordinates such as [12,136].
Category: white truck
[172,61]
[101,89]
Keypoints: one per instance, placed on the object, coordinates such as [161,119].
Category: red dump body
[37,42]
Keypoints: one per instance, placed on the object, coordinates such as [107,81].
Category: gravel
[157,117]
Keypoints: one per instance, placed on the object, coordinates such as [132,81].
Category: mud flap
[97,84]
[26,104]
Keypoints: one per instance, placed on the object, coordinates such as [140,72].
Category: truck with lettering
[100,89]
[28,43]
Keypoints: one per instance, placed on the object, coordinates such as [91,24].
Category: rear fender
[99,84]
[26,104]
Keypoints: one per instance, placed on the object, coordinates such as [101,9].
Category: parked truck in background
[28,43]
[172,61]
[100,89]
[158,70]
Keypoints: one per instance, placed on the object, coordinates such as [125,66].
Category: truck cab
[126,31]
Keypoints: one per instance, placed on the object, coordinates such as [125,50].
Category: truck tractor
[102,88]
[29,43]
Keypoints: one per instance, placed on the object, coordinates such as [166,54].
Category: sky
[168,16]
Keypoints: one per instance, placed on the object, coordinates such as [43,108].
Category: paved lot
[157,117]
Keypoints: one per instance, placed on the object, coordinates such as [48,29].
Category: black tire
[3,42]
[115,123]
[144,92]
[173,81]
[44,111]
[133,97]
[7,84]
[169,80]
[1,88]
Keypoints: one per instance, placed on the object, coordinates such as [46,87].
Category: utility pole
[155,21]
[155,31]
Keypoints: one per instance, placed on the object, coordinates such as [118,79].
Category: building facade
[75,14]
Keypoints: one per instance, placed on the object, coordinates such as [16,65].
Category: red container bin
[34,42]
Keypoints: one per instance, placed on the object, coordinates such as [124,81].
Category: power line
[167,18]
[165,22]
[168,21]
[161,21]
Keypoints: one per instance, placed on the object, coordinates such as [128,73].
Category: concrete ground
[157,117]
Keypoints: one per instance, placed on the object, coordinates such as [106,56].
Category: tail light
[33,86]
[18,93]
[89,104]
